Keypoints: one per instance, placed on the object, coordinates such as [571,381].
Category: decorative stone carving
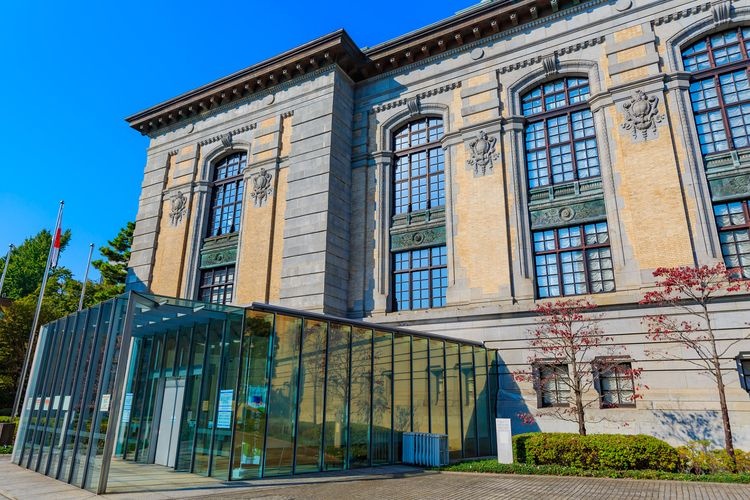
[178,209]
[642,114]
[414,105]
[550,65]
[219,257]
[226,140]
[722,13]
[623,5]
[418,238]
[567,213]
[261,187]
[581,212]
[482,153]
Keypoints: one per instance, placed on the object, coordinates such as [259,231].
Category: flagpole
[32,333]
[5,269]
[86,277]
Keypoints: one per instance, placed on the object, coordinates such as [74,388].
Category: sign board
[504,441]
[104,406]
[224,417]
[127,404]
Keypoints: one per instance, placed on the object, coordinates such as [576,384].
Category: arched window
[719,90]
[720,97]
[559,133]
[226,199]
[419,268]
[419,176]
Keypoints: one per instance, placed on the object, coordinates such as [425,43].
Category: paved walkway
[397,482]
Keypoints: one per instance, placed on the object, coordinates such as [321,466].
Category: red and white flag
[56,245]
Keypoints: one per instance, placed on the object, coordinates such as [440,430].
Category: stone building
[449,179]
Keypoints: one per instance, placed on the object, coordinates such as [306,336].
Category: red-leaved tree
[689,292]
[569,352]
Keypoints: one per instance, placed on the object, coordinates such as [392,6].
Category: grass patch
[6,449]
[492,466]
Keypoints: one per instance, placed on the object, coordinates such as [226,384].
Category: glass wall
[242,393]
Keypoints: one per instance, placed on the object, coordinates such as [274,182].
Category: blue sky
[75,70]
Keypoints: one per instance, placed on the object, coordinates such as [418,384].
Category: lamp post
[5,269]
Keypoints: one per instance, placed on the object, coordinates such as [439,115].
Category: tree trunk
[580,413]
[728,442]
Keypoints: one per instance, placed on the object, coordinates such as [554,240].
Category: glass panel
[453,399]
[493,382]
[311,395]
[250,427]
[468,396]
[191,402]
[420,386]
[222,446]
[337,391]
[282,402]
[437,387]
[359,402]
[401,391]
[382,398]
[207,410]
[151,384]
[483,418]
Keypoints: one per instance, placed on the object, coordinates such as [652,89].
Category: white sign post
[504,441]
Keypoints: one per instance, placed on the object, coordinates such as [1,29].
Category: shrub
[696,458]
[519,447]
[601,451]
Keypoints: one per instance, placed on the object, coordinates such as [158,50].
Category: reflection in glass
[483,417]
[359,402]
[401,391]
[337,397]
[468,396]
[437,387]
[310,407]
[282,402]
[382,394]
[421,396]
[453,399]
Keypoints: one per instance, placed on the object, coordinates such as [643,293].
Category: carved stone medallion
[261,187]
[642,115]
[178,209]
[482,151]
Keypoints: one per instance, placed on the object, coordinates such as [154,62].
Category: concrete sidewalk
[397,482]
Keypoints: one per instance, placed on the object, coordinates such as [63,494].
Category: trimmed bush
[696,458]
[519,447]
[601,451]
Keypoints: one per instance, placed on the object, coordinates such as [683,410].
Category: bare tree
[689,291]
[570,353]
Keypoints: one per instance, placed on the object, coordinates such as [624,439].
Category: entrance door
[169,422]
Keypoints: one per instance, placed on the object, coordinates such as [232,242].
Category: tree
[689,292]
[569,353]
[114,266]
[27,263]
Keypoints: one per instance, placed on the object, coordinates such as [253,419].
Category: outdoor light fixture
[743,367]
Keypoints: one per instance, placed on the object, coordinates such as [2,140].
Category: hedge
[596,452]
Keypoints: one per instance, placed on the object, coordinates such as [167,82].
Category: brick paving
[394,482]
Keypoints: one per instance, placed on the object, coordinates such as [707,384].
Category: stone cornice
[697,9]
[467,28]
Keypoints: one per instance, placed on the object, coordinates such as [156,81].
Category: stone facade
[317,231]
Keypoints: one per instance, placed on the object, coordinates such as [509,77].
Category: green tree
[27,263]
[114,266]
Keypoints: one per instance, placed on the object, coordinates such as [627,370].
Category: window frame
[409,271]
[407,152]
[234,217]
[209,288]
[538,368]
[584,248]
[544,116]
[744,271]
[714,73]
[598,370]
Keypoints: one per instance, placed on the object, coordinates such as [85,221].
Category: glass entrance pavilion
[240,393]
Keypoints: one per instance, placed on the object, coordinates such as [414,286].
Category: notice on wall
[127,404]
[224,416]
[56,403]
[504,441]
[104,406]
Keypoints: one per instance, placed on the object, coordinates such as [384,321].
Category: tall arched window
[560,140]
[559,133]
[720,97]
[226,199]
[419,265]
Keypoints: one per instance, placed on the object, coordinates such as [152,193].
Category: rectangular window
[615,384]
[573,260]
[217,285]
[553,388]
[733,223]
[420,278]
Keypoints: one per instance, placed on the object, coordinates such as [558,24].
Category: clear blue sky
[75,70]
